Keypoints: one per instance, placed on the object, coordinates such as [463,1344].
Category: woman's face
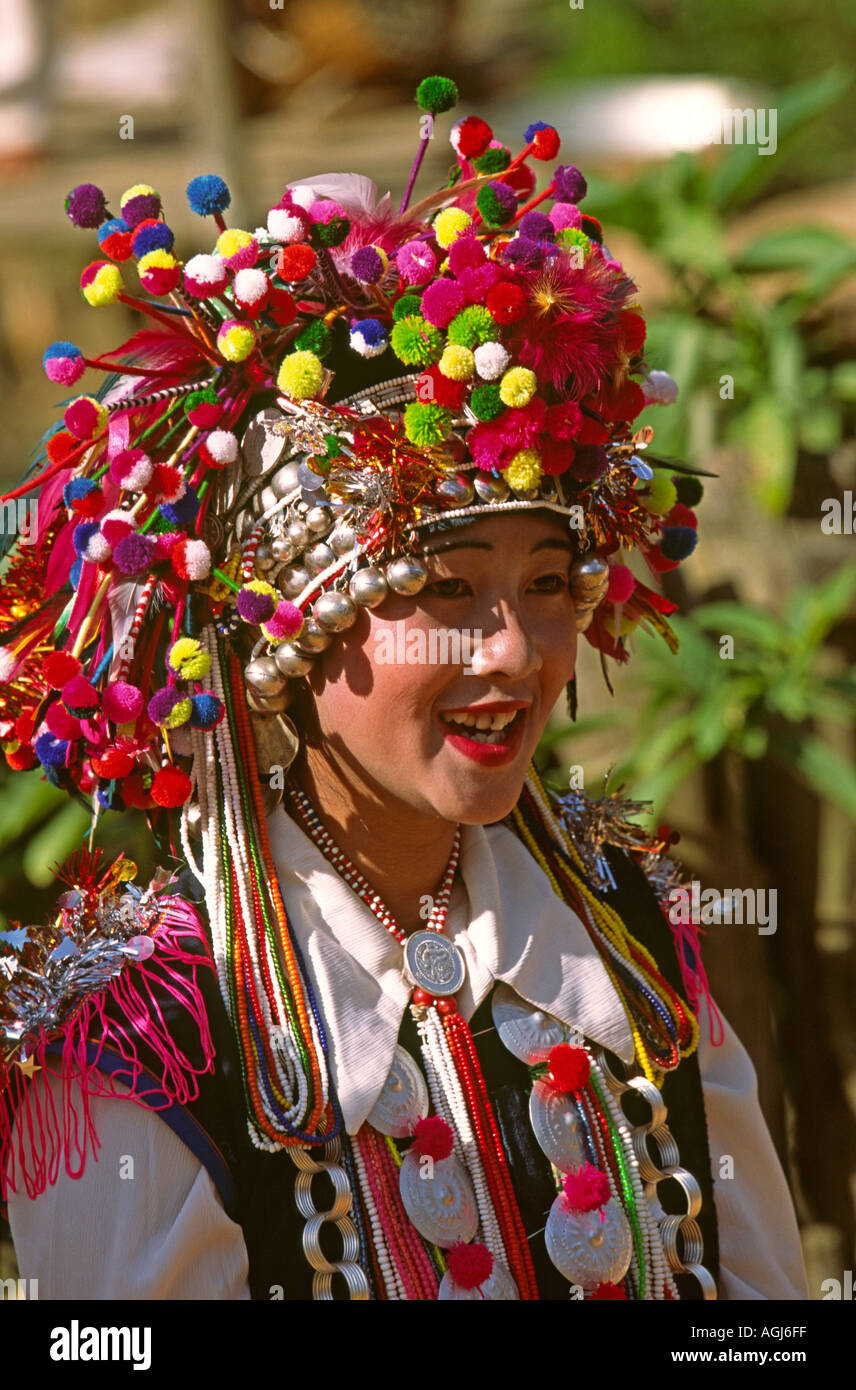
[490,640]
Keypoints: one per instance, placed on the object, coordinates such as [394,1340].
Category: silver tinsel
[592,825]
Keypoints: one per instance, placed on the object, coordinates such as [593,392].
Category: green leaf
[693,238]
[27,800]
[813,611]
[820,766]
[843,378]
[767,432]
[744,624]
[821,428]
[794,248]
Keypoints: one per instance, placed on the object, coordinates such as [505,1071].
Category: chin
[482,801]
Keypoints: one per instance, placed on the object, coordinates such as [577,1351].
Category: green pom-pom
[315,337]
[494,212]
[332,447]
[573,236]
[407,304]
[472,327]
[436,94]
[331,233]
[426,424]
[207,396]
[690,490]
[415,341]
[493,161]
[486,402]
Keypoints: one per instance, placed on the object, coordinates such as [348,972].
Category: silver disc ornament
[433,963]
[499,1288]
[439,1199]
[403,1100]
[557,1126]
[525,1030]
[587,1250]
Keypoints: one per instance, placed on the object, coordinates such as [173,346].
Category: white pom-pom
[491,360]
[366,349]
[222,447]
[660,388]
[303,195]
[207,271]
[197,560]
[251,287]
[139,476]
[8,663]
[284,226]
[453,135]
[98,550]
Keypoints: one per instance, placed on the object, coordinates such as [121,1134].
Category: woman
[411,1043]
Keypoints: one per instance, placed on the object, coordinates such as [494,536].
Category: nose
[506,647]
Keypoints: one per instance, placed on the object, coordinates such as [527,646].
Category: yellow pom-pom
[236,341]
[187,658]
[179,714]
[660,494]
[457,363]
[233,240]
[104,287]
[517,386]
[261,586]
[139,190]
[524,471]
[300,374]
[449,224]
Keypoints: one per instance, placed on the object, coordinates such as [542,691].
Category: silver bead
[282,550]
[290,661]
[284,480]
[457,490]
[406,575]
[264,558]
[335,611]
[293,580]
[263,675]
[244,523]
[298,533]
[194,820]
[312,637]
[490,487]
[342,540]
[318,558]
[368,587]
[319,520]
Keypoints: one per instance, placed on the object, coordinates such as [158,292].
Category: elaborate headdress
[260,461]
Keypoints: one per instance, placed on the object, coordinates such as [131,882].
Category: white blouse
[164,1234]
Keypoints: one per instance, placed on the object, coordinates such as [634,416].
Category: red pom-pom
[171,787]
[681,516]
[295,262]
[608,1293]
[21,759]
[557,455]
[24,725]
[59,667]
[621,584]
[472,137]
[135,791]
[282,307]
[569,1067]
[433,1138]
[441,390]
[625,403]
[564,420]
[587,1189]
[506,302]
[79,697]
[658,562]
[61,723]
[469,1265]
[114,762]
[60,445]
[546,143]
[165,482]
[89,507]
[633,330]
[205,415]
[122,702]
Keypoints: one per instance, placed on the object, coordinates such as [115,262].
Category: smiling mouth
[484,728]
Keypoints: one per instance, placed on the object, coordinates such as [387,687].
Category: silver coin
[433,963]
[585,1249]
[557,1126]
[403,1100]
[260,447]
[526,1031]
[439,1199]
[499,1288]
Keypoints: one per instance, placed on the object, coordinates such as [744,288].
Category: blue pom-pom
[83,535]
[77,488]
[108,229]
[60,349]
[74,573]
[678,542]
[208,193]
[157,238]
[206,711]
[532,130]
[368,337]
[51,751]
[183,512]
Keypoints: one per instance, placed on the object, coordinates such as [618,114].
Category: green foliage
[765,700]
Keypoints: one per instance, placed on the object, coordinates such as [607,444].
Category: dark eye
[551,583]
[448,588]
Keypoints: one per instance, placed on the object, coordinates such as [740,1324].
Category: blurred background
[745,263]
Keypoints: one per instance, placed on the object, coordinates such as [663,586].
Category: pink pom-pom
[122,702]
[565,215]
[433,1138]
[285,623]
[569,1067]
[83,417]
[621,584]
[98,550]
[61,723]
[325,210]
[441,302]
[165,543]
[79,697]
[131,469]
[115,525]
[416,262]
[467,253]
[191,560]
[586,1189]
[469,1265]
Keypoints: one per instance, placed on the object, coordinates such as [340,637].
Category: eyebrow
[548,543]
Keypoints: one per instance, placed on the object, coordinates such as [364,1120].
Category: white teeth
[484,721]
[489,726]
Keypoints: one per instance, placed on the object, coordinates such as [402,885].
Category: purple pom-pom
[157,237]
[134,553]
[254,607]
[537,227]
[137,209]
[571,187]
[162,703]
[367,265]
[86,206]
[523,251]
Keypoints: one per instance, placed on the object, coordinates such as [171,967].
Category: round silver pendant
[557,1126]
[403,1100]
[439,1199]
[528,1032]
[499,1288]
[585,1249]
[261,447]
[433,963]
